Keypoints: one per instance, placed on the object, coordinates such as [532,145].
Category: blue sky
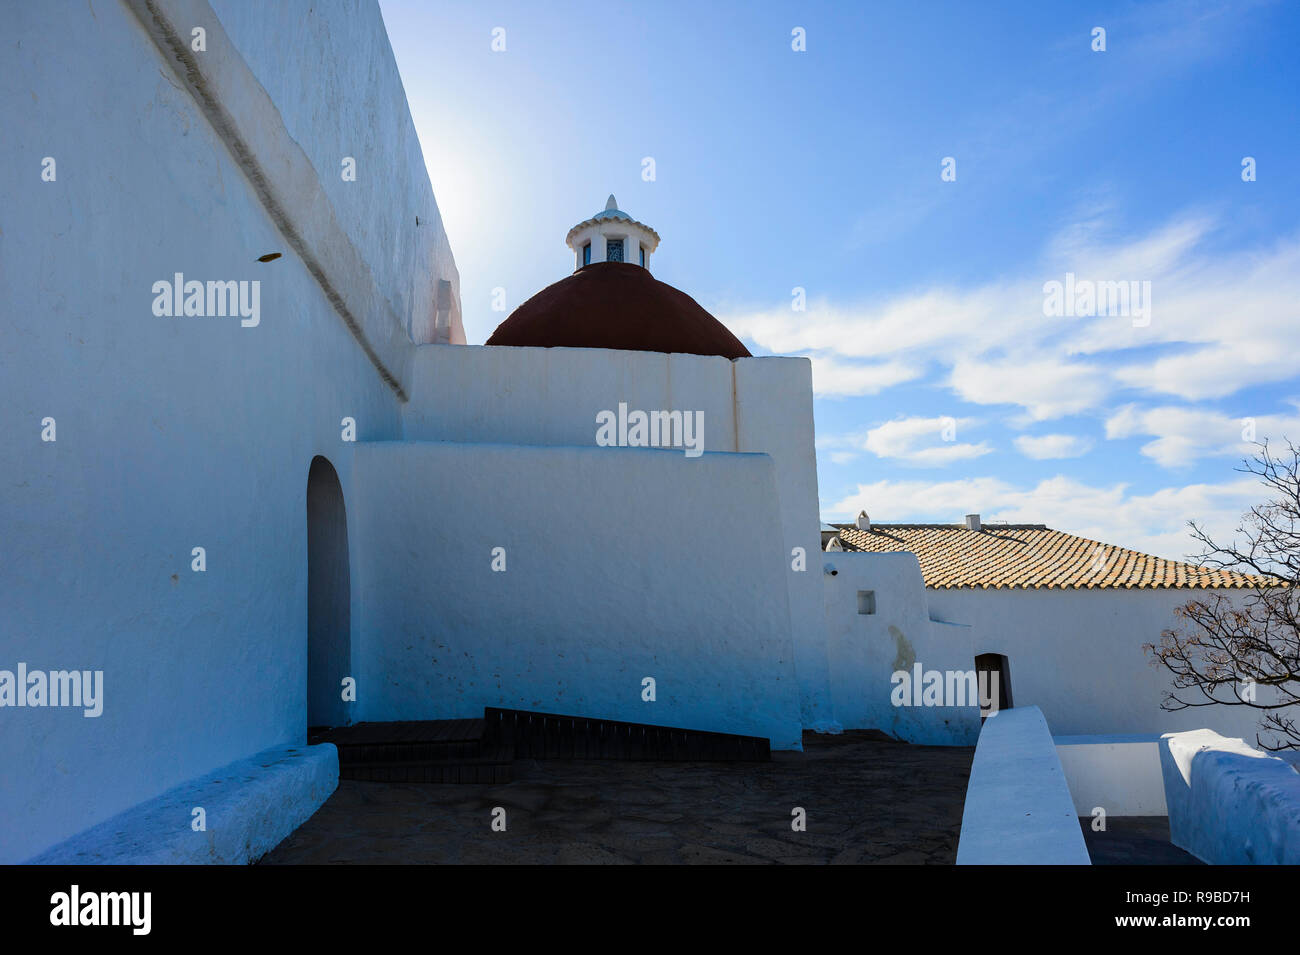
[942,387]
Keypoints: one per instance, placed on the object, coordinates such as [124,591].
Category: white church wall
[367,121]
[774,414]
[172,433]
[552,396]
[597,591]
[1077,654]
[866,649]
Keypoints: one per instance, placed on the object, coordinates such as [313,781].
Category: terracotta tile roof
[1030,555]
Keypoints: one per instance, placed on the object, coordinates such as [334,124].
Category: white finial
[610,203]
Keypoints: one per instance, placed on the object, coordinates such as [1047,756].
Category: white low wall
[620,564]
[1120,774]
[1018,808]
[1229,803]
[249,807]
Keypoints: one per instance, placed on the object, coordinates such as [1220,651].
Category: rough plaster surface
[1229,803]
[1018,808]
[250,806]
[356,108]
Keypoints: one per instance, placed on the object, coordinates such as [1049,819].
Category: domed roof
[611,210]
[617,305]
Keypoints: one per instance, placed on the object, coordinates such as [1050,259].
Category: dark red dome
[617,305]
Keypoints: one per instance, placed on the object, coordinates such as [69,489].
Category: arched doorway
[329,604]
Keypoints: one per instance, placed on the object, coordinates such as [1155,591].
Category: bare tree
[1225,649]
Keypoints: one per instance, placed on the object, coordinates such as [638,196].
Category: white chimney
[864,522]
[972,522]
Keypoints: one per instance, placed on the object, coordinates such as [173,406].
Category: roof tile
[1031,555]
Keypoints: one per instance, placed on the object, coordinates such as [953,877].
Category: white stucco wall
[171,432]
[620,564]
[551,396]
[864,650]
[1077,654]
[367,119]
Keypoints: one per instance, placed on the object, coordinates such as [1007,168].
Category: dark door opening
[329,604]
[993,677]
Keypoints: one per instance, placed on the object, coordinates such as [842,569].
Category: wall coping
[1018,807]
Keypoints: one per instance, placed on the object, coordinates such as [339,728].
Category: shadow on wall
[329,610]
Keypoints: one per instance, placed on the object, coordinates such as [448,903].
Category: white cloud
[836,379]
[1045,388]
[1051,446]
[1182,434]
[1220,322]
[922,442]
[1154,523]
[929,442]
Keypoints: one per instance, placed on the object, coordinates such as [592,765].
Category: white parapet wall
[1229,803]
[247,808]
[1018,807]
[1118,773]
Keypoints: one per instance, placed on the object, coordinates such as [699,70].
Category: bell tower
[612,235]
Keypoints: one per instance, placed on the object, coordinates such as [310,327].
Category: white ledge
[1018,807]
[250,807]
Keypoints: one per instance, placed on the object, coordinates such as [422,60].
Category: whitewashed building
[256,481]
[1061,618]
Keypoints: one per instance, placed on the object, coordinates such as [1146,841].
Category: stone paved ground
[868,800]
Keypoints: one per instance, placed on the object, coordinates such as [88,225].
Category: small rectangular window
[614,250]
[866,601]
[643,258]
[586,254]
